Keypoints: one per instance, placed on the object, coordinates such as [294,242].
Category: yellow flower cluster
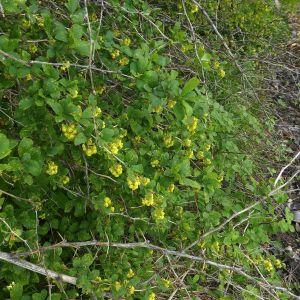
[116,170]
[52,168]
[65,66]
[115,54]
[157,109]
[154,163]
[144,180]
[207,161]
[187,143]
[100,90]
[171,104]
[193,125]
[134,182]
[131,290]
[65,179]
[268,265]
[221,73]
[278,263]
[159,214]
[148,200]
[73,93]
[126,42]
[190,153]
[97,112]
[130,273]
[207,147]
[115,146]
[28,77]
[69,131]
[118,285]
[32,48]
[89,148]
[107,202]
[168,141]
[124,61]
[166,283]
[200,154]
[152,296]
[171,188]
[194,9]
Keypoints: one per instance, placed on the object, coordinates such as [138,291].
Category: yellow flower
[28,77]
[134,183]
[112,209]
[116,170]
[222,73]
[93,17]
[145,181]
[115,54]
[52,168]
[154,163]
[117,285]
[187,143]
[124,61]
[73,93]
[190,153]
[278,263]
[130,273]
[152,296]
[216,65]
[268,265]
[207,161]
[192,126]
[69,131]
[33,48]
[40,21]
[107,202]
[65,179]
[159,214]
[97,112]
[215,247]
[207,147]
[100,90]
[194,9]
[137,139]
[131,290]
[115,146]
[200,155]
[25,24]
[168,141]
[171,104]
[65,66]
[166,283]
[117,33]
[148,200]
[89,148]
[157,109]
[126,42]
[171,188]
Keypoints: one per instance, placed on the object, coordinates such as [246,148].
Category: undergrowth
[138,128]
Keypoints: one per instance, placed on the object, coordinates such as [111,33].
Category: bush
[116,131]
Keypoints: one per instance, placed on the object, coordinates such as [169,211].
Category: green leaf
[188,109]
[72,5]
[82,47]
[16,292]
[80,139]
[24,146]
[26,103]
[61,32]
[190,182]
[107,134]
[190,86]
[4,146]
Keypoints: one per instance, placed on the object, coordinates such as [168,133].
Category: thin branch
[37,269]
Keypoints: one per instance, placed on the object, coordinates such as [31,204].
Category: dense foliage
[129,121]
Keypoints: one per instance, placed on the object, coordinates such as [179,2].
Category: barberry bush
[132,151]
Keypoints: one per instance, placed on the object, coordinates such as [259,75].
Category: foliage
[116,126]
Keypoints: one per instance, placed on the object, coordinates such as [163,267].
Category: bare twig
[37,269]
